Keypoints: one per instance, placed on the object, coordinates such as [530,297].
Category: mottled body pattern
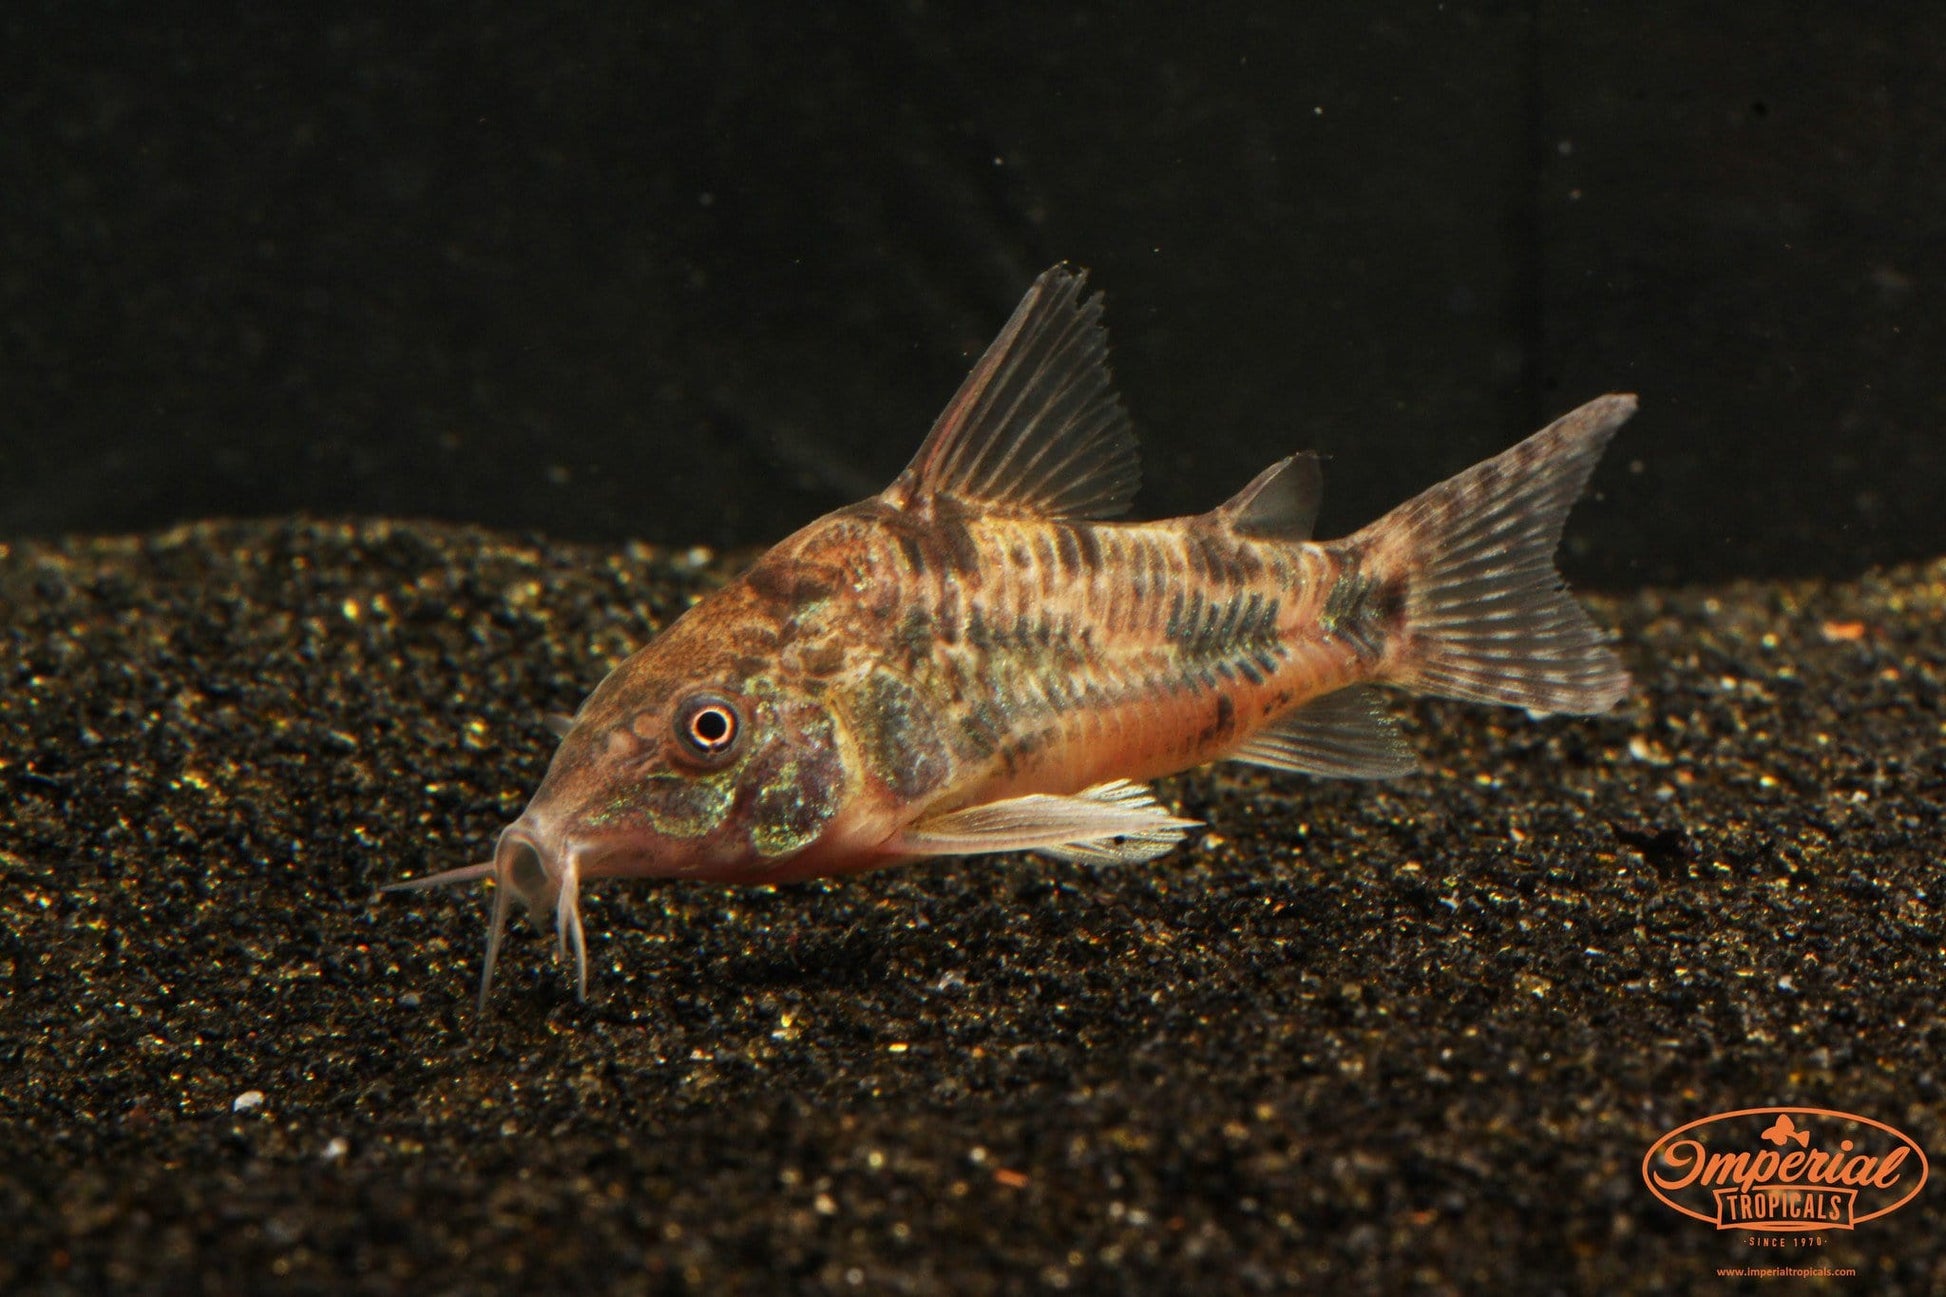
[1049,656]
[978,659]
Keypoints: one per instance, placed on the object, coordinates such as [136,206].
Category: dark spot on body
[1388,602]
[787,583]
[1211,556]
[915,556]
[797,787]
[947,617]
[898,731]
[1224,637]
[977,632]
[1193,562]
[1044,557]
[1249,562]
[1090,544]
[956,545]
[1054,693]
[981,728]
[1222,725]
[1223,627]
[1015,752]
[1068,551]
[769,582]
[915,637]
[1358,611]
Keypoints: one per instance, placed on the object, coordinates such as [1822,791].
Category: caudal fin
[1486,615]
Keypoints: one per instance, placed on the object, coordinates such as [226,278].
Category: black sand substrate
[1403,1037]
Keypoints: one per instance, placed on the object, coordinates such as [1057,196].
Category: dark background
[696,273]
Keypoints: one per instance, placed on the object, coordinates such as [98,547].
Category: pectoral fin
[1112,823]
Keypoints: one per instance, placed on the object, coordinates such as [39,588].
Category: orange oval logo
[1785,1170]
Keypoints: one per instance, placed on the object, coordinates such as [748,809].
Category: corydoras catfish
[975,660]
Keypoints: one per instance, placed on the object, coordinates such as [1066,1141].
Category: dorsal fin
[1281,503]
[1036,430]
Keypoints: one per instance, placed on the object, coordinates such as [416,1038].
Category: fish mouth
[545,876]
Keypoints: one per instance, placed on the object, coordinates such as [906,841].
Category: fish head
[674,767]
[707,754]
[690,774]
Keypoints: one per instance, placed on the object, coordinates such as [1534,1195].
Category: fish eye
[707,727]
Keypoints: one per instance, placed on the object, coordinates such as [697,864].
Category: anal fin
[1113,823]
[1345,735]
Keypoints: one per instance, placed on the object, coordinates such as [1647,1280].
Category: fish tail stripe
[1486,617]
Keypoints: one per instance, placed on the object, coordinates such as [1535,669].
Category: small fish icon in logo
[1784,1131]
